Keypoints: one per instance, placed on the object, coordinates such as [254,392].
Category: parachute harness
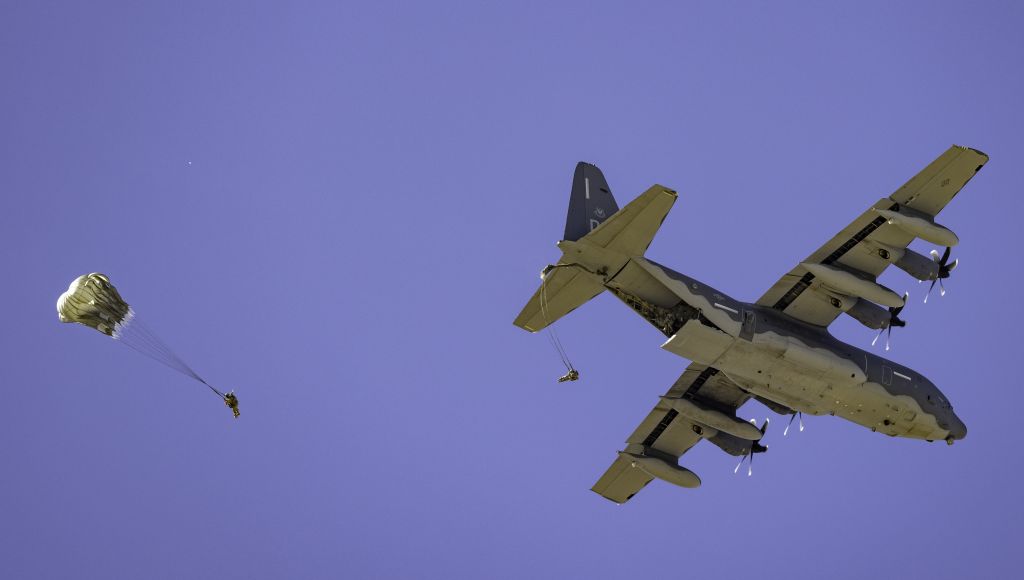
[572,374]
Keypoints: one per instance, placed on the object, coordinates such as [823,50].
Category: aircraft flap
[621,481]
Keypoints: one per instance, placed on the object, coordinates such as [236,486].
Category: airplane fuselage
[786,364]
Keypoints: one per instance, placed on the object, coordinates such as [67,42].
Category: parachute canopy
[93,301]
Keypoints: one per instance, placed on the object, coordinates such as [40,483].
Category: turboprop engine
[716,420]
[920,267]
[875,317]
[869,314]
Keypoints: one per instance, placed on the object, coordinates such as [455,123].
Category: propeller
[944,269]
[755,447]
[794,416]
[894,320]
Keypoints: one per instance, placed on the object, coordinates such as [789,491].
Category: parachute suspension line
[135,334]
[140,337]
[554,343]
[552,335]
[572,374]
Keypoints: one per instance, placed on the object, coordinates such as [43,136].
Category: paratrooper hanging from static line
[571,374]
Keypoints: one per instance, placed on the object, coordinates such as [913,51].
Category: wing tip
[614,501]
[978,151]
[667,190]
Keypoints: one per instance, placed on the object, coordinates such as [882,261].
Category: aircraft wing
[801,296]
[666,434]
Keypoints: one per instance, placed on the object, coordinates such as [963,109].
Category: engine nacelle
[869,314]
[717,420]
[921,267]
[928,231]
[735,446]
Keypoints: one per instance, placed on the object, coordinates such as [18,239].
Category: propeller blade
[877,336]
[944,270]
[796,415]
[935,255]
[749,455]
[929,293]
[887,337]
[894,313]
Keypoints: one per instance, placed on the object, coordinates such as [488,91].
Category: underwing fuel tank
[920,227]
[714,419]
[663,470]
[852,285]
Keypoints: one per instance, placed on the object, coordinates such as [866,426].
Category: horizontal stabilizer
[631,230]
[563,289]
[599,240]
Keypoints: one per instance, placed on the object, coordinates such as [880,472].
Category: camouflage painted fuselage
[785,363]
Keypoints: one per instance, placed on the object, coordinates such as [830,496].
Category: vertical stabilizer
[599,241]
[590,202]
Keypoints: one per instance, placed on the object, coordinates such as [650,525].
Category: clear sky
[338,209]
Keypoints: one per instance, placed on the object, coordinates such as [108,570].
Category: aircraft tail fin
[599,240]
[590,202]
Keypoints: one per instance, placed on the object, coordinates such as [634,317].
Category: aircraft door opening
[747,328]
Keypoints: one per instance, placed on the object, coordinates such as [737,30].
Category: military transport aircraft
[777,350]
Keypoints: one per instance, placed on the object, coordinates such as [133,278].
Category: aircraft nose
[957,430]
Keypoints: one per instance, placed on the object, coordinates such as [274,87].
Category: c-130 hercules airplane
[777,350]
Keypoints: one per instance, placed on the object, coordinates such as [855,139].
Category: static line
[901,375]
[733,310]
[586,186]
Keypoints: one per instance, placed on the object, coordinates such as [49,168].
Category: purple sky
[338,211]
